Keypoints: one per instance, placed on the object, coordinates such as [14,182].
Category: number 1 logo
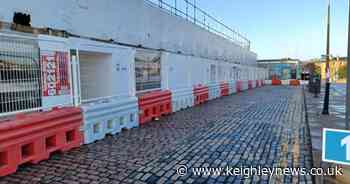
[336,146]
[346,142]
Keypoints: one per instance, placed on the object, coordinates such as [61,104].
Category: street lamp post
[325,110]
[347,119]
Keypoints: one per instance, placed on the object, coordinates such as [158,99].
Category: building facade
[103,50]
[282,69]
[80,70]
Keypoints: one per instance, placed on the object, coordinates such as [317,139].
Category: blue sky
[284,28]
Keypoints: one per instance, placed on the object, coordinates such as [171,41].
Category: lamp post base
[325,110]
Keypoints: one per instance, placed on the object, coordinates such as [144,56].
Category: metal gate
[20,80]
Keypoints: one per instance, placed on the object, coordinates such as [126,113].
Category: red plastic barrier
[31,138]
[294,82]
[201,94]
[250,84]
[153,105]
[276,82]
[224,89]
[239,86]
[257,83]
[262,82]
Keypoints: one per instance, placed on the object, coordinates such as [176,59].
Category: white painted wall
[128,21]
[185,71]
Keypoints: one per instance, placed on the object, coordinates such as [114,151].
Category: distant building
[283,69]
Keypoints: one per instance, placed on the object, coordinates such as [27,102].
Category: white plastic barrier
[268,82]
[285,82]
[232,87]
[182,99]
[245,85]
[214,90]
[304,82]
[109,116]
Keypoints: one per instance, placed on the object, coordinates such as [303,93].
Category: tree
[342,72]
[317,71]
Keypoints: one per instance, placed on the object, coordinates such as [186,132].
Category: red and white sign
[55,68]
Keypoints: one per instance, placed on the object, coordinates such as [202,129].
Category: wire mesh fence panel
[20,80]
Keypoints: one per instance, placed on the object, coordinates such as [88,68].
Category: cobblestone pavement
[317,121]
[263,127]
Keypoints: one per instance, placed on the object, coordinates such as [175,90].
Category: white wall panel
[199,70]
[128,21]
[179,71]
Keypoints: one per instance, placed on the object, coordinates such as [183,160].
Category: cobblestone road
[264,127]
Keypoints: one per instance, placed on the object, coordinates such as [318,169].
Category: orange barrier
[294,82]
[201,94]
[224,89]
[31,138]
[276,82]
[239,86]
[153,105]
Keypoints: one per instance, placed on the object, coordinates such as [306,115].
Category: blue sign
[336,146]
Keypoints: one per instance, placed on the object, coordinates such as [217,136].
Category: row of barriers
[31,138]
[59,93]
[277,82]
